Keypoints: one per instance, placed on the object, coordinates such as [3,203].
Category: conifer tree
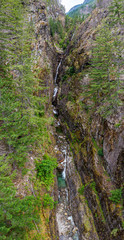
[22,120]
[116,12]
[21,111]
[106,85]
[101,63]
[116,18]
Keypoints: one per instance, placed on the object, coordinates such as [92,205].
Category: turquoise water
[61,180]
[75,237]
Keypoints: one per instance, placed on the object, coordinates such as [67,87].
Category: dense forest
[23,124]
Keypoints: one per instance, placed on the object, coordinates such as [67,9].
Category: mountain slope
[82,9]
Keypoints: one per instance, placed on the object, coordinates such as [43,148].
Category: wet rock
[60,159]
[60,167]
[61,237]
[75,230]
[65,226]
[59,156]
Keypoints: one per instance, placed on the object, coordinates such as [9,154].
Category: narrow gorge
[62,120]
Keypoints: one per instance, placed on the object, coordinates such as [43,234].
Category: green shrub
[116,195]
[114,232]
[70,97]
[117,125]
[48,201]
[123,224]
[100,152]
[81,189]
[45,169]
[71,70]
[95,144]
[93,186]
[64,77]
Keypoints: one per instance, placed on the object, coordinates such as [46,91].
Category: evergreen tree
[21,109]
[116,18]
[22,119]
[106,85]
[116,12]
[101,64]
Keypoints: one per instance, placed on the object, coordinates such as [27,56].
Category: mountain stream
[66,226]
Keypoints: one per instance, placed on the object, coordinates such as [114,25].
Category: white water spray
[57,71]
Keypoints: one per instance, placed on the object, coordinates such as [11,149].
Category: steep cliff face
[95,170]
[96,143]
[25,184]
[103,3]
[45,63]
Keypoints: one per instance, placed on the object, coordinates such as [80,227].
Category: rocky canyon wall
[96,143]
[103,3]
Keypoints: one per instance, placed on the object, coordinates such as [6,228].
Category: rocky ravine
[89,177]
[92,175]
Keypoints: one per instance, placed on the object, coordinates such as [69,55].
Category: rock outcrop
[97,144]
[103,3]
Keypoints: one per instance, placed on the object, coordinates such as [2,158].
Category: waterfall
[57,71]
[66,226]
[54,98]
[67,229]
[55,92]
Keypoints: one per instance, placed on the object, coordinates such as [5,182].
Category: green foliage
[64,77]
[93,186]
[22,120]
[70,97]
[45,170]
[100,152]
[48,201]
[64,43]
[59,129]
[123,224]
[95,144]
[117,125]
[116,12]
[116,195]
[106,85]
[69,72]
[114,232]
[81,189]
[15,213]
[56,27]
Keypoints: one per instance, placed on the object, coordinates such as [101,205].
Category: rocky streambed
[65,223]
